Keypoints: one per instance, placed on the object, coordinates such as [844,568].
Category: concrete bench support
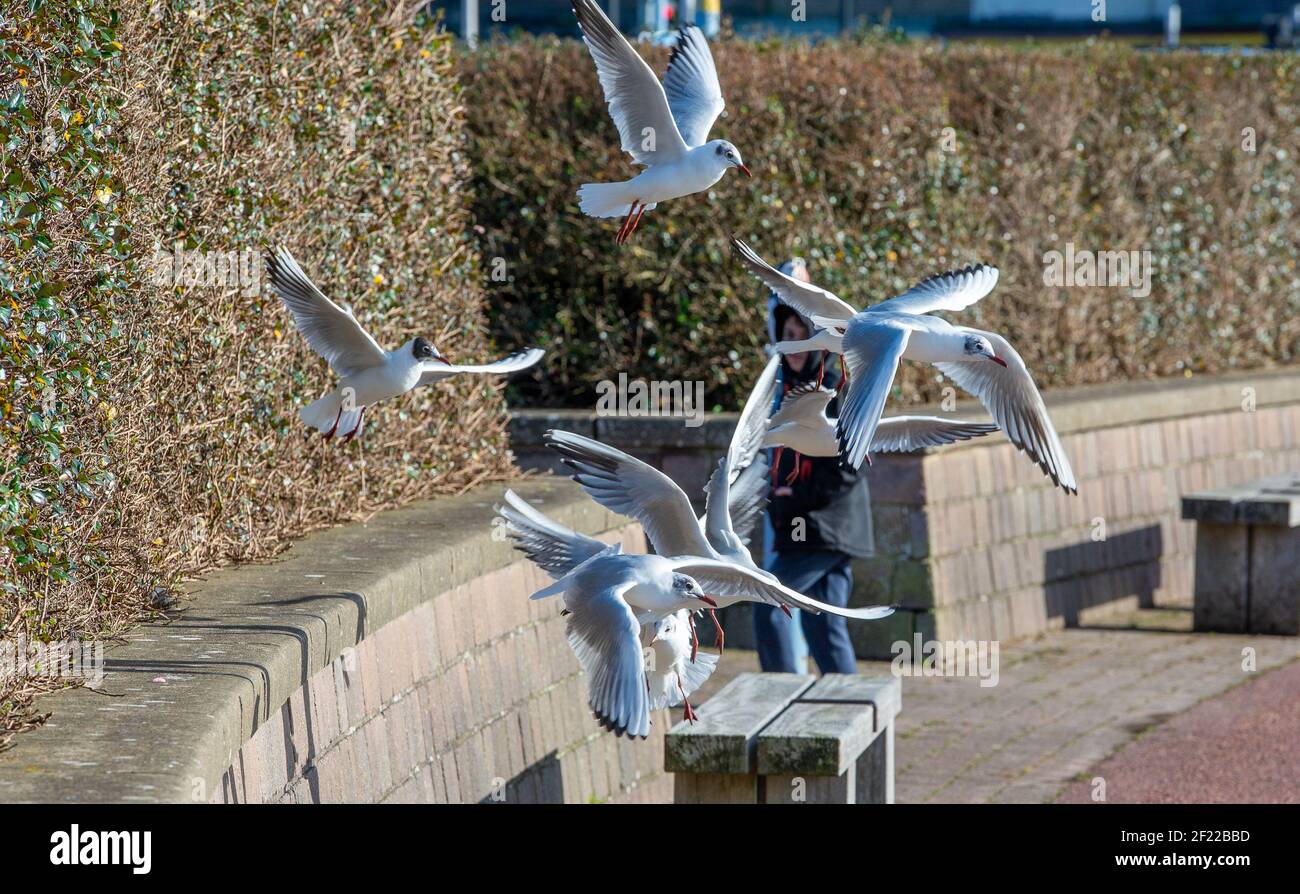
[1248,557]
[789,738]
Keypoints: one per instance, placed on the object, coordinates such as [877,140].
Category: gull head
[422,349]
[979,346]
[729,155]
[685,587]
[664,628]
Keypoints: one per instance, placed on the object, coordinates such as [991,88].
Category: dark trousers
[823,575]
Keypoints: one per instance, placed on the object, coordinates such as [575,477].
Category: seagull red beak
[745,168]
[708,600]
[998,360]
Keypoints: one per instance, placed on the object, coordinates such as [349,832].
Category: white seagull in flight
[662,126]
[626,485]
[802,425]
[607,600]
[874,340]
[366,371]
[676,669]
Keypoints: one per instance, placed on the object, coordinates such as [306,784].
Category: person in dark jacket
[820,516]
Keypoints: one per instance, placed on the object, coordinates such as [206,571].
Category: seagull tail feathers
[604,199]
[328,414]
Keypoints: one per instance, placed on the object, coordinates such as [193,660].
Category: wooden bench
[789,738]
[1247,557]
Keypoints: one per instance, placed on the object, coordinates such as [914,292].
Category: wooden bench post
[789,738]
[1247,577]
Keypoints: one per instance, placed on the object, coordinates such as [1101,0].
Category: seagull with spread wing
[801,424]
[675,669]
[663,126]
[873,342]
[608,599]
[366,371]
[628,486]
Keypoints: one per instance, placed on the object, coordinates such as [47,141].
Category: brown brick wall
[979,545]
[473,694]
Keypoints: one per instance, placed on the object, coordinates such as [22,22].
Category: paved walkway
[1068,700]
[1240,746]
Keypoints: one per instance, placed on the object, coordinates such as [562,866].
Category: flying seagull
[677,669]
[366,371]
[626,485]
[801,424]
[663,126]
[608,598]
[874,340]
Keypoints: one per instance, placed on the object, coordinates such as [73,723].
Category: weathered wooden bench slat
[816,739]
[722,741]
[884,694]
[780,738]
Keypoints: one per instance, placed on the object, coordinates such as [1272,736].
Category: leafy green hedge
[1094,144]
[63,272]
[150,424]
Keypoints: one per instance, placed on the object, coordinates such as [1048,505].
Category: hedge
[150,416]
[1093,144]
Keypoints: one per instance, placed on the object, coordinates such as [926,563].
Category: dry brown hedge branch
[338,133]
[1095,144]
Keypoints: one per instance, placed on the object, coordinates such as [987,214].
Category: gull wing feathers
[747,497]
[697,672]
[636,99]
[331,330]
[809,300]
[746,441]
[603,633]
[555,548]
[872,351]
[903,434]
[802,403]
[435,371]
[1012,399]
[727,579]
[954,290]
[625,485]
[691,83]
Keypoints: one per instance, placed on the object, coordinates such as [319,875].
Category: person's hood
[773,300]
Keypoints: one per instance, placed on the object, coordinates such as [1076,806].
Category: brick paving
[1240,746]
[1065,701]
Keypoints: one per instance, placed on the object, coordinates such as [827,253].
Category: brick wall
[395,659]
[474,695]
[973,542]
